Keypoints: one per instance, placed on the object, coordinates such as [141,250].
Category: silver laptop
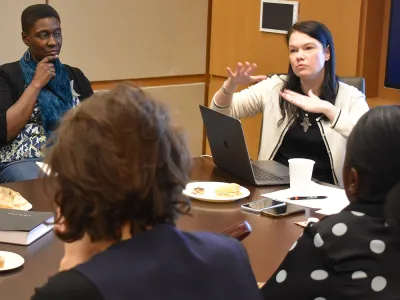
[229,151]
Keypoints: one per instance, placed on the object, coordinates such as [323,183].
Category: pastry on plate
[198,191]
[11,199]
[228,190]
[2,261]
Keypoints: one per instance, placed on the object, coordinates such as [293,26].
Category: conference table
[266,246]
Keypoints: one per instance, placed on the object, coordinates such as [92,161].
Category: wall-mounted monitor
[278,16]
[392,76]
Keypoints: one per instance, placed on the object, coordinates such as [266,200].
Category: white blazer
[263,97]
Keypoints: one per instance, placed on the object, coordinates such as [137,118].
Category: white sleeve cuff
[336,119]
[219,106]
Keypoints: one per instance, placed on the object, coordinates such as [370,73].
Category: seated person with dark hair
[353,254]
[34,93]
[121,168]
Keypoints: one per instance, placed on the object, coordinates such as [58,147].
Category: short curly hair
[117,159]
[34,13]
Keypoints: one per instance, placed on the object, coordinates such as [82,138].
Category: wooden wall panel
[236,37]
[370,44]
[12,48]
[124,39]
[343,19]
[155,81]
[183,102]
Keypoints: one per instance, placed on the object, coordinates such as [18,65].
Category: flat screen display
[278,16]
[392,76]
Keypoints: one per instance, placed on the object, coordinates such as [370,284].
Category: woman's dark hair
[117,159]
[35,12]
[373,149]
[329,87]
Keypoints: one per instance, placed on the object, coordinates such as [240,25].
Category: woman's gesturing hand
[310,103]
[243,74]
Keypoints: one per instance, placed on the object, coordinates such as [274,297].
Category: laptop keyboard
[262,175]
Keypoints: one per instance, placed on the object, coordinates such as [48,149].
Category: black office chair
[357,82]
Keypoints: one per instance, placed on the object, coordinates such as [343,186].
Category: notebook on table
[23,227]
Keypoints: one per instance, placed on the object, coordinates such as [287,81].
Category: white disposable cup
[300,173]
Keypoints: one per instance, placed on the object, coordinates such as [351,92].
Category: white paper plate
[209,194]
[12,260]
[27,206]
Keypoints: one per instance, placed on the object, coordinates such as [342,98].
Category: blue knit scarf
[55,98]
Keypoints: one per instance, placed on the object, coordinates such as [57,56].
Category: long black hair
[373,149]
[329,87]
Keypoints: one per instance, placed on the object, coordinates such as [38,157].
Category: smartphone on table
[259,205]
[284,210]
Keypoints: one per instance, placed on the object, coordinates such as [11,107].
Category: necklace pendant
[306,123]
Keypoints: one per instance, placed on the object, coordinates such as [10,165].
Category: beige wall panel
[236,36]
[122,39]
[183,102]
[12,48]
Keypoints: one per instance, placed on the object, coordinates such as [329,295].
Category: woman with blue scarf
[35,92]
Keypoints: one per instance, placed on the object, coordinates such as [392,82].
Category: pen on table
[307,197]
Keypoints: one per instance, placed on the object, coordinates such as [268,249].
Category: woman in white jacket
[307,113]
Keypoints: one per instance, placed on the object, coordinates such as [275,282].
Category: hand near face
[44,72]
[243,74]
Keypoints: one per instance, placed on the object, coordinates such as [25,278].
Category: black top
[12,86]
[68,285]
[300,144]
[162,263]
[351,255]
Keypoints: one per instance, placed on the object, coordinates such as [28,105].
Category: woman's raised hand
[243,74]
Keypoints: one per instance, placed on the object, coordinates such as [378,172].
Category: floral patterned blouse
[32,139]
